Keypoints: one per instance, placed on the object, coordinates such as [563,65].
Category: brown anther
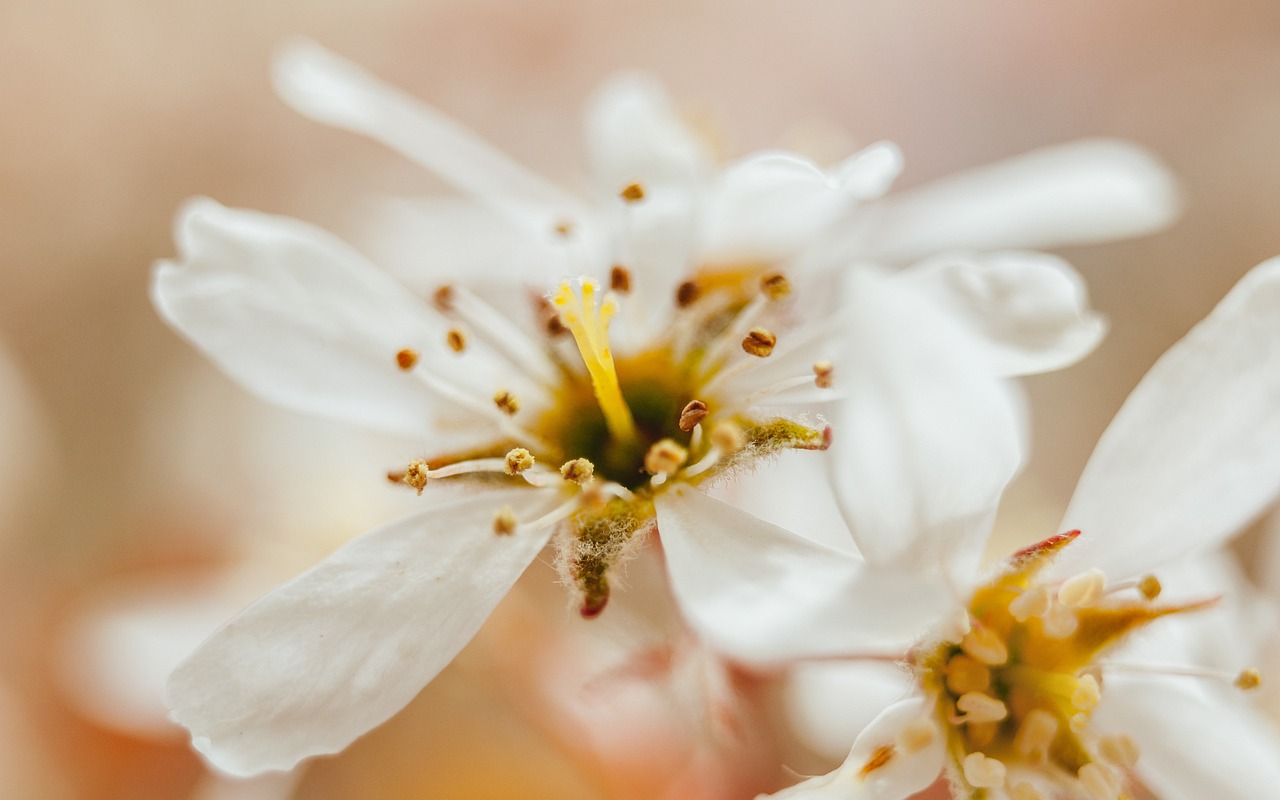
[443,298]
[882,755]
[775,286]
[823,374]
[759,342]
[694,412]
[504,521]
[665,457]
[578,471]
[687,293]
[620,279]
[415,475]
[518,460]
[728,437]
[1150,587]
[506,402]
[564,228]
[632,192]
[1248,679]
[550,317]
[407,359]
[456,339]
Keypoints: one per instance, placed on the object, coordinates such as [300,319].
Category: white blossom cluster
[599,374]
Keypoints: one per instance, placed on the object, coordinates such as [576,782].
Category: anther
[1035,735]
[518,460]
[1060,622]
[985,645]
[759,342]
[632,192]
[456,339]
[504,521]
[955,626]
[1025,791]
[981,707]
[443,298]
[963,675]
[407,359]
[1079,723]
[1081,590]
[1120,749]
[728,437]
[823,374]
[775,286]
[665,457]
[1099,781]
[694,412]
[578,471]
[687,294]
[564,228]
[1087,693]
[506,402]
[1034,602]
[882,755]
[1150,587]
[1248,679]
[415,475]
[917,734]
[620,279]
[981,772]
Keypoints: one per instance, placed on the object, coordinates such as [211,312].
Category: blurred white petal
[332,90]
[1197,742]
[902,775]
[634,135]
[342,647]
[1194,453]
[273,786]
[302,320]
[760,594]
[830,703]
[926,438]
[1082,192]
[1032,309]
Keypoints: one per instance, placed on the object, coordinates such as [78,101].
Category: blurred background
[132,472]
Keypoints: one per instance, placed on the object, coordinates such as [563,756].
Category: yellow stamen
[589,325]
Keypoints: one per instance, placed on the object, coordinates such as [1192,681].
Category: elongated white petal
[761,594]
[868,173]
[770,205]
[1081,192]
[1196,742]
[902,773]
[332,90]
[1031,309]
[302,320]
[1194,453]
[926,438]
[341,648]
[634,135]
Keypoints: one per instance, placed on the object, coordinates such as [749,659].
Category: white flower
[722,296]
[1011,681]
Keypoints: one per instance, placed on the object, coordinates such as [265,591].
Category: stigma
[588,320]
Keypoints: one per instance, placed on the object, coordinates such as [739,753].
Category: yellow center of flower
[1016,692]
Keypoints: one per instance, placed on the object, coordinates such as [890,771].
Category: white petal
[334,91]
[1196,743]
[302,320]
[761,594]
[1031,309]
[870,172]
[769,205]
[273,786]
[901,776]
[926,438]
[342,647]
[635,135]
[1194,453]
[1081,192]
[830,703]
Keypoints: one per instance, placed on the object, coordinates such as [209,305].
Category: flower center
[1017,686]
